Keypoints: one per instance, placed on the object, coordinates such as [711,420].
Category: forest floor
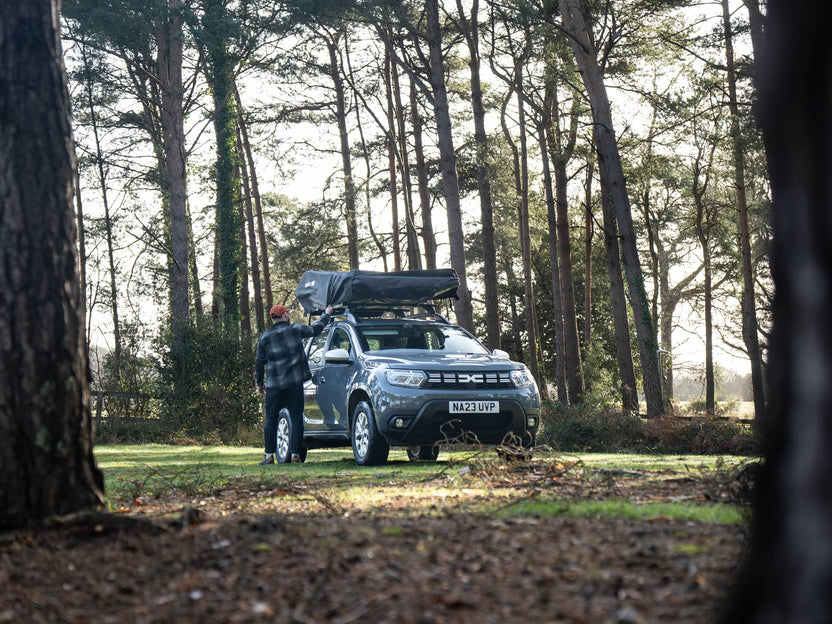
[464,546]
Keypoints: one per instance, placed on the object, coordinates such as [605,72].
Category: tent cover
[374,289]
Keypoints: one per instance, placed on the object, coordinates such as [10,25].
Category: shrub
[586,429]
[207,388]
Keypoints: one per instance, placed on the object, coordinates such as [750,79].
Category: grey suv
[385,376]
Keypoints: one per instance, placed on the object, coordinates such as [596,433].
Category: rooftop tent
[372,289]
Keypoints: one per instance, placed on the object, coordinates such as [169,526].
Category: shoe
[295,459]
[266,460]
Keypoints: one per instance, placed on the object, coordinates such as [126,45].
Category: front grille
[469,380]
[484,428]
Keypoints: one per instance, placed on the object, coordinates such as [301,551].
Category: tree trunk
[258,207]
[341,118]
[470,29]
[589,233]
[248,220]
[703,233]
[46,461]
[108,221]
[172,121]
[612,172]
[422,181]
[221,80]
[554,268]
[750,331]
[618,302]
[525,237]
[447,157]
[414,256]
[561,152]
[786,576]
[391,164]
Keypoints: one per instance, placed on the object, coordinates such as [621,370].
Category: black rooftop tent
[373,289]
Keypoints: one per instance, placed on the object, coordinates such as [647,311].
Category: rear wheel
[284,437]
[368,447]
[423,453]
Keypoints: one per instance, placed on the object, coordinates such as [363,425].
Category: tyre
[284,436]
[368,447]
[423,453]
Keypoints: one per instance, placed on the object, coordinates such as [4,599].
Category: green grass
[615,508]
[157,471]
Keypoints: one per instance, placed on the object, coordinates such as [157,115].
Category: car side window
[340,340]
[316,348]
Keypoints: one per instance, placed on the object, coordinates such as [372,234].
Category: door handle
[321,379]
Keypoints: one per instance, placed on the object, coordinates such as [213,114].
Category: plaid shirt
[280,355]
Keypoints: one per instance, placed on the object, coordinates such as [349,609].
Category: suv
[401,375]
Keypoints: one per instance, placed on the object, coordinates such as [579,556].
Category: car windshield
[417,336]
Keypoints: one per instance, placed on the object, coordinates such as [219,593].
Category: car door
[312,417]
[333,383]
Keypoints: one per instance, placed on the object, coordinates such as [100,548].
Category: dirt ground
[420,553]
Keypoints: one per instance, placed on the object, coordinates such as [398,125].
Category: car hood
[450,361]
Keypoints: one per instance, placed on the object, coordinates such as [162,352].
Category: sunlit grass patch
[620,509]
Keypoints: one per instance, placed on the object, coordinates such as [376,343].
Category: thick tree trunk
[787,575]
[447,157]
[750,331]
[470,28]
[172,121]
[611,169]
[46,460]
[229,250]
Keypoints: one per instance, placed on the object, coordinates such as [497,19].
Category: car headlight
[406,378]
[522,378]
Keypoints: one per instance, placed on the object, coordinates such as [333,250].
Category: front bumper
[433,423]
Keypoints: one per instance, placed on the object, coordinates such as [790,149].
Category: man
[281,359]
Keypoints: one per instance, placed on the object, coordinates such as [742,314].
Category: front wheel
[368,447]
[284,437]
[423,453]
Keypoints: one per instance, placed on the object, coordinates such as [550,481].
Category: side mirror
[501,354]
[337,356]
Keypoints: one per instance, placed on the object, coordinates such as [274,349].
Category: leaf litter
[437,550]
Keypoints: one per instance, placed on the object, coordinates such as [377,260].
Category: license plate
[474,407]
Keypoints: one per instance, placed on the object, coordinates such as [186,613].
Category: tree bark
[412,253]
[447,157]
[258,206]
[554,268]
[561,153]
[346,159]
[618,302]
[470,29]
[248,230]
[786,576]
[750,332]
[525,237]
[422,180]
[46,461]
[172,120]
[609,160]
[391,164]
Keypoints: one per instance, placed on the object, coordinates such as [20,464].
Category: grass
[617,508]
[467,481]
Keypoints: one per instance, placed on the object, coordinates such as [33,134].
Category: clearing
[203,534]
